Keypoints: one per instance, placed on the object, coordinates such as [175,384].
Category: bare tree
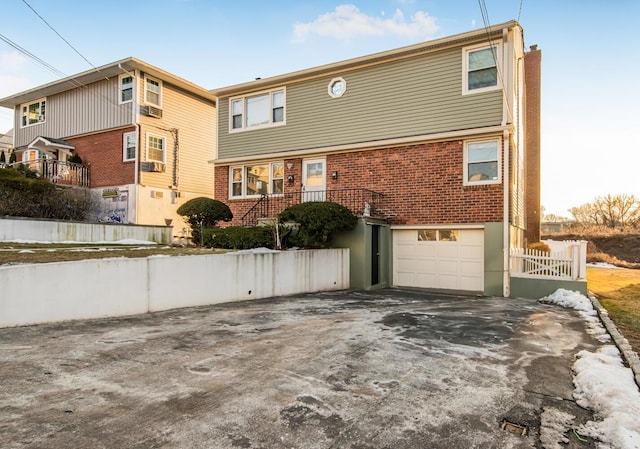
[611,211]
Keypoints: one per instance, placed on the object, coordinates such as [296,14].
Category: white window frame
[24,112]
[164,147]
[243,169]
[121,90]
[465,67]
[243,99]
[498,160]
[146,100]
[124,146]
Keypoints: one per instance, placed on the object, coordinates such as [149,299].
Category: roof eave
[104,72]
[422,47]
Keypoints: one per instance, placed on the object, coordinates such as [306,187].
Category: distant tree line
[621,212]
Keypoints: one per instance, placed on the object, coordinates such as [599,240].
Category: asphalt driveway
[386,369]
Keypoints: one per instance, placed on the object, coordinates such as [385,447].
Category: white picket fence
[567,260]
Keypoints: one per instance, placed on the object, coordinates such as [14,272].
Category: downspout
[506,241]
[506,285]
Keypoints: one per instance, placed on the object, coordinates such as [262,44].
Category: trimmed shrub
[539,246]
[318,223]
[203,212]
[237,237]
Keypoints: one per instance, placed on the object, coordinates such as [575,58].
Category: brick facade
[103,153]
[421,184]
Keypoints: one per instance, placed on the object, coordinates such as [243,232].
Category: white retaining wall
[71,231]
[39,293]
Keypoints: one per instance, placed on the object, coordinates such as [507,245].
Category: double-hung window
[481,66]
[33,113]
[129,146]
[153,91]
[259,110]
[155,148]
[482,162]
[256,179]
[126,88]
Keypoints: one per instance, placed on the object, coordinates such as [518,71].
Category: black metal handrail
[362,202]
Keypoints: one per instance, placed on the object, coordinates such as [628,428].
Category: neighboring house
[6,145]
[143,135]
[425,143]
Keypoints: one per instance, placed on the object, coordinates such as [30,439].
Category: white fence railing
[567,260]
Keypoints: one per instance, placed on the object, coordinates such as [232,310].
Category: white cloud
[12,61]
[347,22]
[10,85]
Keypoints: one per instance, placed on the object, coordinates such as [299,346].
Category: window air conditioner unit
[152,111]
[156,167]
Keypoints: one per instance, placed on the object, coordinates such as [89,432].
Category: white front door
[313,180]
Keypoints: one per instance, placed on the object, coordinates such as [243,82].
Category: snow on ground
[260,250]
[601,265]
[603,384]
[582,304]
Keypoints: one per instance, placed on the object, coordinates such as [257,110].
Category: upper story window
[481,65]
[482,162]
[126,88]
[34,112]
[152,91]
[129,146]
[256,179]
[155,148]
[260,110]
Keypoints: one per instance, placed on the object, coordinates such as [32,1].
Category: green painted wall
[359,243]
[538,288]
[413,96]
[493,259]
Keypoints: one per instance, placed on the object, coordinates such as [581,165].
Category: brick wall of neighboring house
[103,153]
[421,184]
[532,70]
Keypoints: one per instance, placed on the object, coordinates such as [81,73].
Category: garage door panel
[424,281]
[426,266]
[448,250]
[405,251]
[451,265]
[471,252]
[426,251]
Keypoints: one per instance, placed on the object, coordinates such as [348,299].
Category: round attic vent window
[337,87]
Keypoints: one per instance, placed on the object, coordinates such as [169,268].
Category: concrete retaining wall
[539,288]
[73,231]
[39,293]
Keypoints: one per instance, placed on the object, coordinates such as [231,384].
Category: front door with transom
[313,180]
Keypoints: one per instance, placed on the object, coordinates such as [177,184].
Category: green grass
[618,290]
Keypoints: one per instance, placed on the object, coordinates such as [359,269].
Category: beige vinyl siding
[194,120]
[79,111]
[420,95]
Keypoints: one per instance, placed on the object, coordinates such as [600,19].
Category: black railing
[58,172]
[361,202]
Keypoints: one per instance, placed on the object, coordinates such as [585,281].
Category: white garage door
[451,259]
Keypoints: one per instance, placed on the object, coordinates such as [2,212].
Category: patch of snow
[554,424]
[606,386]
[74,242]
[601,265]
[602,383]
[26,251]
[579,302]
[261,250]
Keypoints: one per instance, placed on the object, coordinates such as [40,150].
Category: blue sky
[590,87]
